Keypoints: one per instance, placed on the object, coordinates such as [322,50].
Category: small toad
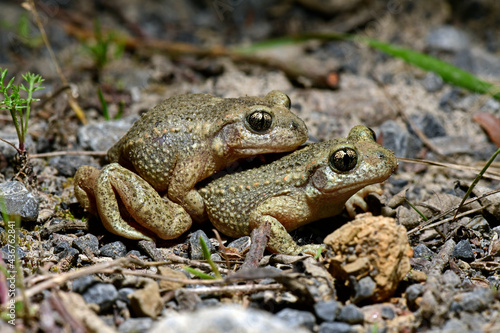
[304,186]
[149,186]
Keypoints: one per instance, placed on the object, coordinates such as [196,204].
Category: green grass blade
[198,273]
[448,72]
[206,255]
[476,180]
[104,105]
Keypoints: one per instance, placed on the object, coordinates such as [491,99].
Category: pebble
[123,294]
[447,38]
[388,313]
[240,244]
[102,294]
[227,319]
[364,289]
[134,325]
[475,301]
[297,318]
[450,279]
[399,140]
[103,135]
[429,125]
[195,246]
[114,250]
[327,310]
[463,250]
[19,201]
[68,164]
[81,284]
[336,328]
[87,244]
[432,82]
[422,251]
[414,291]
[351,314]
[8,250]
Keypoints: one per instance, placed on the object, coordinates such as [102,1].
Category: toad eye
[344,159]
[374,136]
[259,121]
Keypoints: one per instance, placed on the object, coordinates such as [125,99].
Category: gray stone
[432,82]
[81,284]
[8,252]
[450,278]
[429,125]
[87,244]
[103,135]
[477,300]
[364,289]
[135,325]
[114,250]
[297,318]
[463,250]
[227,319]
[327,310]
[414,291]
[336,328]
[68,164]
[447,38]
[399,140]
[422,251]
[351,314]
[195,246]
[19,201]
[102,294]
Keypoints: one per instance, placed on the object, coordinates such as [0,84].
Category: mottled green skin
[295,190]
[172,147]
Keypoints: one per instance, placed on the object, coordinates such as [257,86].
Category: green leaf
[198,273]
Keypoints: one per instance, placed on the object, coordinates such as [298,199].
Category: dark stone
[399,140]
[195,246]
[463,250]
[477,300]
[429,125]
[123,294]
[296,318]
[19,201]
[8,253]
[414,291]
[327,310]
[388,313]
[336,328]
[241,243]
[364,289]
[81,284]
[351,314]
[61,246]
[70,254]
[102,294]
[87,243]
[422,251]
[114,250]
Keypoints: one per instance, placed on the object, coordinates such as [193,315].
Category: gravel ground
[389,271]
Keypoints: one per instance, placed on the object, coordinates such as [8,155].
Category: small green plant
[18,106]
[100,49]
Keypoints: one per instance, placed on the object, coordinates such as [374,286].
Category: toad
[149,186]
[309,184]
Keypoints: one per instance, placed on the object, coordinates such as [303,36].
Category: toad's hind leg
[117,186]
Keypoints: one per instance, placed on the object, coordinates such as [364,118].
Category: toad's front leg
[123,199]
